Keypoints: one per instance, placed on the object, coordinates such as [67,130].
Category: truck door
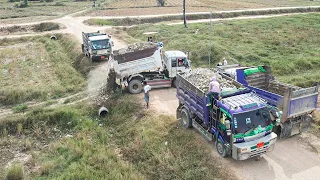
[179,65]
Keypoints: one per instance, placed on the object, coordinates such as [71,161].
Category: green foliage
[15,172]
[290,45]
[20,108]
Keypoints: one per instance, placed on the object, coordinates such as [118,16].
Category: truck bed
[148,60]
[292,100]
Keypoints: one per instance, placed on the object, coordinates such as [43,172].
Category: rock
[68,136]
[135,47]
[201,77]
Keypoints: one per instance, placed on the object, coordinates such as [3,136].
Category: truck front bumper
[100,57]
[246,150]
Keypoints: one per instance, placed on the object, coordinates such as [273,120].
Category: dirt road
[293,158]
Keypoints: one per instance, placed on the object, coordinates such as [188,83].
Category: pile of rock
[135,47]
[201,77]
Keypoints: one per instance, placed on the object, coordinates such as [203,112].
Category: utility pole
[184,14]
[210,39]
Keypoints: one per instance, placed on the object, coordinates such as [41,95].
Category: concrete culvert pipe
[103,111]
[53,38]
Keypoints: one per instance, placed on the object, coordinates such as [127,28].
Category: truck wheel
[135,86]
[185,118]
[221,149]
[174,82]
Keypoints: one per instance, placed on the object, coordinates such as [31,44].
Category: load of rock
[201,77]
[135,47]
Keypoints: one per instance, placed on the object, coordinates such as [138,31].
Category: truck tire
[135,86]
[185,118]
[221,149]
[174,82]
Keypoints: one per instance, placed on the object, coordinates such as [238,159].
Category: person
[214,89]
[225,62]
[146,89]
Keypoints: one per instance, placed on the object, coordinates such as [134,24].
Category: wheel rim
[135,86]
[220,148]
[184,118]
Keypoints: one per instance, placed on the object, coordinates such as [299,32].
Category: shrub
[46,26]
[15,172]
[20,108]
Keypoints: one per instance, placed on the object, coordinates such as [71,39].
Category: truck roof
[100,37]
[175,54]
[243,102]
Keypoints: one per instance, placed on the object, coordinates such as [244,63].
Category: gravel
[135,47]
[201,77]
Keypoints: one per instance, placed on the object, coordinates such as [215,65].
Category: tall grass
[290,45]
[15,172]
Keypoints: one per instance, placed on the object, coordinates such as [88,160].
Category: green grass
[38,68]
[128,144]
[290,45]
[15,172]
[20,108]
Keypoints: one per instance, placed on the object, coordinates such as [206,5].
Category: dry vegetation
[47,26]
[37,68]
[37,10]
[149,7]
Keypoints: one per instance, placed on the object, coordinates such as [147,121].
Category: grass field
[290,45]
[37,68]
[129,144]
[41,8]
[149,7]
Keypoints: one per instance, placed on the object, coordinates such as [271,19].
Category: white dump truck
[149,63]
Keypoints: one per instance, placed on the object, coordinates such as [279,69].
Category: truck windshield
[100,44]
[252,119]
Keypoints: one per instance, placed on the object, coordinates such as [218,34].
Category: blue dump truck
[296,103]
[240,123]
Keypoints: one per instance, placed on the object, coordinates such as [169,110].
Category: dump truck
[148,62]
[240,123]
[296,103]
[97,46]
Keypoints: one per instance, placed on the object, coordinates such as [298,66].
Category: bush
[47,26]
[20,108]
[59,4]
[15,172]
[13,1]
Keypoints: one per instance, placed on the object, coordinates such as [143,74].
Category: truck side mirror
[227,124]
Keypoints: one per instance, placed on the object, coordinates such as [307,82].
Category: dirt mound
[46,26]
[201,77]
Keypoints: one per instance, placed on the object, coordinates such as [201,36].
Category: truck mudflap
[295,126]
[246,150]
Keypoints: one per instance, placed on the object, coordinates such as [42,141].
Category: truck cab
[245,126]
[175,62]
